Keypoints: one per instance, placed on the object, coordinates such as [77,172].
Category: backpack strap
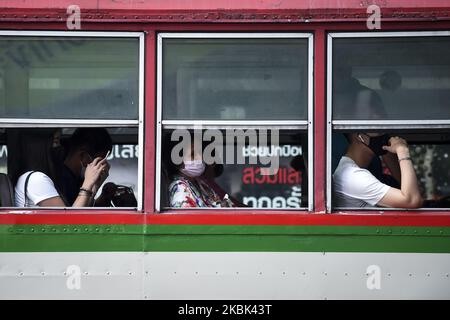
[25,189]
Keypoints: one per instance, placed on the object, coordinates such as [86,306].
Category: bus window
[235,165]
[386,86]
[122,159]
[56,83]
[235,79]
[66,78]
[247,97]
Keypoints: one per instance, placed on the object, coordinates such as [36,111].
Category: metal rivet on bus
[75,229]
[65,229]
[86,273]
[237,272]
[43,230]
[65,273]
[97,229]
[32,229]
[136,17]
[304,273]
[196,272]
[389,231]
[378,231]
[108,273]
[260,273]
[446,275]
[175,272]
[43,273]
[20,273]
[428,274]
[130,273]
[346,274]
[389,274]
[217,272]
[415,231]
[410,274]
[325,273]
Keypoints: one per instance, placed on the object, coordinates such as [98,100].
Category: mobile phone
[106,157]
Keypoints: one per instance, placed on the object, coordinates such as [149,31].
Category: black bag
[124,197]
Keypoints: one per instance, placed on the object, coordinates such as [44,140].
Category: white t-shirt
[40,187]
[356,187]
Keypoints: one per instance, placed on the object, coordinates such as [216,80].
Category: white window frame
[78,123]
[287,124]
[369,124]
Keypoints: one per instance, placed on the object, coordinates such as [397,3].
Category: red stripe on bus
[242,218]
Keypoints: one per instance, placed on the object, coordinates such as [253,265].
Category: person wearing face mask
[85,146]
[355,186]
[34,166]
[189,188]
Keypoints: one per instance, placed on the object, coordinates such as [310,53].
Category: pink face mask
[194,168]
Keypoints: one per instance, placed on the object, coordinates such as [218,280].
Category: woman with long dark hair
[35,157]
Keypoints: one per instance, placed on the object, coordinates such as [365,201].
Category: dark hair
[169,168]
[94,140]
[31,150]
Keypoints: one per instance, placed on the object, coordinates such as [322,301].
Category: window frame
[82,123]
[369,124]
[307,124]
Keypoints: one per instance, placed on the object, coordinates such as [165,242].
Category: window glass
[391,78]
[69,78]
[235,79]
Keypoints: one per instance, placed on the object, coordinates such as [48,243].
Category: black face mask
[376,144]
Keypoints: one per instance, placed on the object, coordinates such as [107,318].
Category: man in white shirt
[355,186]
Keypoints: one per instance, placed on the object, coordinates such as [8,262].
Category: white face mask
[194,168]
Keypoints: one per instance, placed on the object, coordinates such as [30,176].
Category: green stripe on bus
[172,238]
[222,230]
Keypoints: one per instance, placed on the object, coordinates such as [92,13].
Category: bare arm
[409,195]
